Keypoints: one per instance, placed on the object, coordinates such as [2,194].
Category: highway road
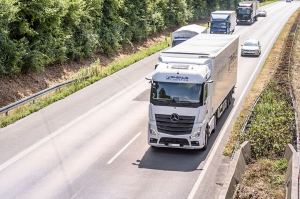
[93,143]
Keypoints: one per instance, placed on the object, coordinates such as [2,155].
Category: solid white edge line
[30,149]
[124,148]
[228,121]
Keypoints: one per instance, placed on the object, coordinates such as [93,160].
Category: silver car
[262,13]
[251,47]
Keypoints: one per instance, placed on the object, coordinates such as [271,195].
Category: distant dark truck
[222,22]
[247,12]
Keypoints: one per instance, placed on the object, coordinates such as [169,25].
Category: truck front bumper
[180,141]
[193,140]
[168,142]
[244,21]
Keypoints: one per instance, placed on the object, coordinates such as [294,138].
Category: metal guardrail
[6,109]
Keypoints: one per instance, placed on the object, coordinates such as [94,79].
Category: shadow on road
[179,159]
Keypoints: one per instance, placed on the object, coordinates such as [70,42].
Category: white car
[262,13]
[251,47]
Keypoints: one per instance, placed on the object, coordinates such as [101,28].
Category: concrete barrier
[236,170]
[292,174]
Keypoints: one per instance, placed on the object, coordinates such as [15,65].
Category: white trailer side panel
[224,73]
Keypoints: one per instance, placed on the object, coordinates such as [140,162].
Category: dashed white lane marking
[124,148]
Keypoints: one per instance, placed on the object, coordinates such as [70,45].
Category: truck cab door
[206,101]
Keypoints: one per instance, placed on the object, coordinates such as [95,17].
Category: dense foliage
[272,124]
[36,33]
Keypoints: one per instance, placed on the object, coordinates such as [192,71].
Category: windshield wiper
[185,101]
[162,100]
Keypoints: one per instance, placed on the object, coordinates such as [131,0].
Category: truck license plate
[174,145]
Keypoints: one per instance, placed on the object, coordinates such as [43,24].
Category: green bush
[272,124]
[37,33]
[11,51]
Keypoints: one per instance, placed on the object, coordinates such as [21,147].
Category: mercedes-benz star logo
[174,117]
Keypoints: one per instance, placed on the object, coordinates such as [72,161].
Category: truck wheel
[229,100]
[206,139]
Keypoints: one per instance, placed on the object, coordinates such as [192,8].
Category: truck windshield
[176,94]
[244,11]
[217,24]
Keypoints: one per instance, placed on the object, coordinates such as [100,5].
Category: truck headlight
[196,134]
[153,132]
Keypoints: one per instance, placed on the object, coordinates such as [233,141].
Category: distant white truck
[186,32]
[191,87]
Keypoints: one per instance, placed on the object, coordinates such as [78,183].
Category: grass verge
[271,125]
[266,74]
[269,130]
[93,73]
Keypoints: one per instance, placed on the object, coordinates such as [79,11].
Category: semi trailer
[186,32]
[222,22]
[247,12]
[191,87]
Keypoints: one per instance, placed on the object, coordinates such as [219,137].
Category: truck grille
[180,127]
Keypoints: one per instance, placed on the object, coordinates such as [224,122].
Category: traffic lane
[259,30]
[29,130]
[68,154]
[143,171]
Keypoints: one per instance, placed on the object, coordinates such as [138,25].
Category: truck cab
[178,105]
[222,22]
[247,12]
[191,87]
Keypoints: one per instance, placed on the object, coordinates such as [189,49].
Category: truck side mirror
[148,79]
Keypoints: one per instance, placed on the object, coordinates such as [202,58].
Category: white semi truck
[191,87]
[186,32]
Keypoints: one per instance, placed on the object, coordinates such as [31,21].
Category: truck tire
[206,139]
[229,99]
